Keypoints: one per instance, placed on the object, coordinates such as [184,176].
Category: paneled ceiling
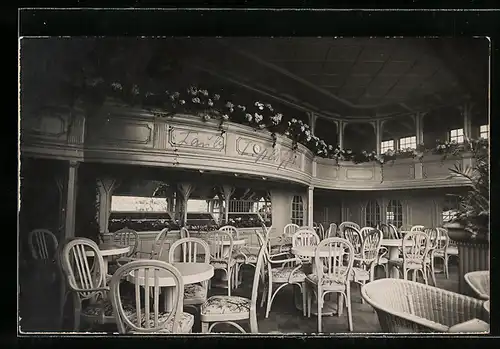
[342,77]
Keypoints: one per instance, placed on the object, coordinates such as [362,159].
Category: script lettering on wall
[257,150]
[185,138]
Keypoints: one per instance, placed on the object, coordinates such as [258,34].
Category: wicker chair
[404,306]
[479,281]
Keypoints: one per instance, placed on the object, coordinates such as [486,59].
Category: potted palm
[469,227]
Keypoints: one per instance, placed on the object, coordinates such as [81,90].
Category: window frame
[457,137]
[373,213]
[395,207]
[297,210]
[411,144]
[384,148]
[487,131]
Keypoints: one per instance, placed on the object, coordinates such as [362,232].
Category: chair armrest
[471,326]
[382,252]
[97,289]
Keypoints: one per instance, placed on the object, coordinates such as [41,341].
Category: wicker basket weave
[409,307]
[479,281]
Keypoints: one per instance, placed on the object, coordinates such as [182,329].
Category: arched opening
[297,210]
[372,214]
[394,213]
[359,136]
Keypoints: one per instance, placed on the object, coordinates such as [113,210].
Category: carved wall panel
[359,173]
[122,132]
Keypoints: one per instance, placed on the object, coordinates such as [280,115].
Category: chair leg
[414,276]
[445,266]
[433,272]
[304,294]
[320,306]
[349,310]
[263,298]
[204,327]
[309,303]
[229,276]
[77,317]
[269,296]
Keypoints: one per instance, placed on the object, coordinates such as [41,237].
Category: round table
[394,246]
[191,273]
[330,304]
[109,250]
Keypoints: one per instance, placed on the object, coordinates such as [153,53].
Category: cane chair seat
[195,294]
[287,274]
[166,321]
[229,306]
[104,307]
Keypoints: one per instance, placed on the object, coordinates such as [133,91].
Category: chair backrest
[434,237]
[305,237]
[353,235]
[321,232]
[365,231]
[344,225]
[184,233]
[290,229]
[394,231]
[334,259]
[257,278]
[192,250]
[332,230]
[417,228]
[43,244]
[443,241]
[126,237]
[415,246]
[158,243]
[389,231]
[83,265]
[221,245]
[231,230]
[371,246]
[146,317]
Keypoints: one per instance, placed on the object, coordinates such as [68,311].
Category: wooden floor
[38,304]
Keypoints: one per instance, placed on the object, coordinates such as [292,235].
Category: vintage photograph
[253,185]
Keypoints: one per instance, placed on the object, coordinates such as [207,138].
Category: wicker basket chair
[479,281]
[404,306]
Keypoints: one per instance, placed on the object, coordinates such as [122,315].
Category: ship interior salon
[254,185]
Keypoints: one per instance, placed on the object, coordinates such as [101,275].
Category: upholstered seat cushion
[185,323]
[195,292]
[247,258]
[96,309]
[283,274]
[357,275]
[216,305]
[451,250]
[221,264]
[327,283]
[409,264]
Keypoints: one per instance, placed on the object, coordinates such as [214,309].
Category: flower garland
[260,116]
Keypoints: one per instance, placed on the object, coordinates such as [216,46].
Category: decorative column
[185,190]
[106,186]
[310,206]
[466,113]
[312,121]
[62,205]
[71,192]
[419,130]
[341,126]
[378,135]
[227,191]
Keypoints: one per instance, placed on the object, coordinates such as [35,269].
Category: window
[386,146]
[372,216]
[457,135]
[297,210]
[484,132]
[394,214]
[408,142]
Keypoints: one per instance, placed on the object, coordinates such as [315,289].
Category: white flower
[302,128]
[294,120]
[278,117]
[300,122]
[330,147]
[182,102]
[225,117]
[192,90]
[242,107]
[117,86]
[196,100]
[204,92]
[307,132]
[262,125]
[309,138]
[306,125]
[249,117]
[210,102]
[206,117]
[259,105]
[258,117]
[229,105]
[216,97]
[269,107]
[287,133]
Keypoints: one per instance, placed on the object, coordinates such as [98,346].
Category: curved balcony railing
[138,137]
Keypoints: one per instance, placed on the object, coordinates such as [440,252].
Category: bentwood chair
[332,275]
[286,238]
[236,252]
[434,244]
[445,250]
[43,245]
[332,231]
[344,225]
[479,282]
[146,317]
[353,235]
[124,237]
[158,243]
[417,228]
[228,309]
[221,253]
[415,250]
[191,250]
[305,237]
[83,266]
